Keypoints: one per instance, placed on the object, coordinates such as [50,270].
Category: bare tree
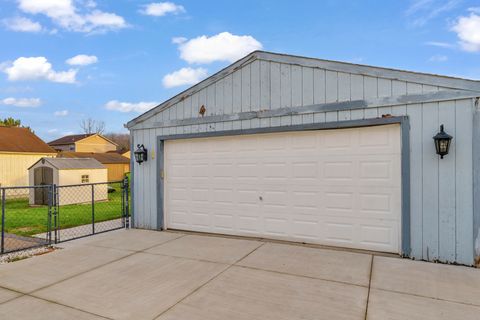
[90,125]
[100,127]
[122,139]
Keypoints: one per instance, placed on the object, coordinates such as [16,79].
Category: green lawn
[25,220]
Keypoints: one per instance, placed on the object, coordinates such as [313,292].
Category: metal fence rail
[34,216]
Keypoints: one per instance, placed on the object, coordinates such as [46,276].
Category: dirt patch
[13,242]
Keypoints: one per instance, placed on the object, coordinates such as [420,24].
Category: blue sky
[129,55]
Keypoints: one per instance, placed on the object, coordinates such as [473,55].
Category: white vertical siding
[464,178]
[430,182]
[446,188]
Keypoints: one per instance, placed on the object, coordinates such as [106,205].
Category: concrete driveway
[136,274]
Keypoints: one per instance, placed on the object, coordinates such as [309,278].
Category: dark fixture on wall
[202,110]
[442,142]
[140,154]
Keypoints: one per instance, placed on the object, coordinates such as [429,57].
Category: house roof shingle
[15,139]
[106,158]
[70,139]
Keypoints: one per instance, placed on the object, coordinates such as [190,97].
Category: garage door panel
[379,236]
[332,187]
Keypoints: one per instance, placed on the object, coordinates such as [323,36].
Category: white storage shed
[73,176]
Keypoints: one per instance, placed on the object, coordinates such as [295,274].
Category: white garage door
[332,187]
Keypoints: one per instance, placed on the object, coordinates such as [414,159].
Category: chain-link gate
[36,216]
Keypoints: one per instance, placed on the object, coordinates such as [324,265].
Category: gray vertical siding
[476,177]
[441,202]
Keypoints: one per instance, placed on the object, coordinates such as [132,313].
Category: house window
[85,178]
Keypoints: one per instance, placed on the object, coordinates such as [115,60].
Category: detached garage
[316,151]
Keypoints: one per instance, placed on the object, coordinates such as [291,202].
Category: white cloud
[67,15]
[179,40]
[418,5]
[438,58]
[61,113]
[104,21]
[37,68]
[221,47]
[422,11]
[184,76]
[474,9]
[22,24]
[52,130]
[160,9]
[439,44]
[82,60]
[468,31]
[22,102]
[130,106]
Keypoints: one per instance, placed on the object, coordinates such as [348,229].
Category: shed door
[332,187]
[42,176]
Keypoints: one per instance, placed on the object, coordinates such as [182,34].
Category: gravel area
[24,254]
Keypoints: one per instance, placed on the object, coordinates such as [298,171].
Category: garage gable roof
[387,73]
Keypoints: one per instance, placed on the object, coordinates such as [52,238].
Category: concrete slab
[85,230]
[242,293]
[138,287]
[133,239]
[30,308]
[36,272]
[324,264]
[6,295]
[439,281]
[398,306]
[216,249]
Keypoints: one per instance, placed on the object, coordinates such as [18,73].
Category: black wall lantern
[442,142]
[140,154]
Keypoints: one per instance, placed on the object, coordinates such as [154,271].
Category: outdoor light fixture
[442,142]
[140,154]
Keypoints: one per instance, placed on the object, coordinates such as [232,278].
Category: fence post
[49,217]
[93,209]
[55,213]
[126,208]
[3,222]
[122,187]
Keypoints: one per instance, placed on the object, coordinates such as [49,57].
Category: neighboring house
[126,154]
[69,174]
[309,150]
[116,164]
[93,142]
[19,149]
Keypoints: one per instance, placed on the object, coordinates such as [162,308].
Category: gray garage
[316,151]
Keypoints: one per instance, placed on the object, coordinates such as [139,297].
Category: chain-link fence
[41,215]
